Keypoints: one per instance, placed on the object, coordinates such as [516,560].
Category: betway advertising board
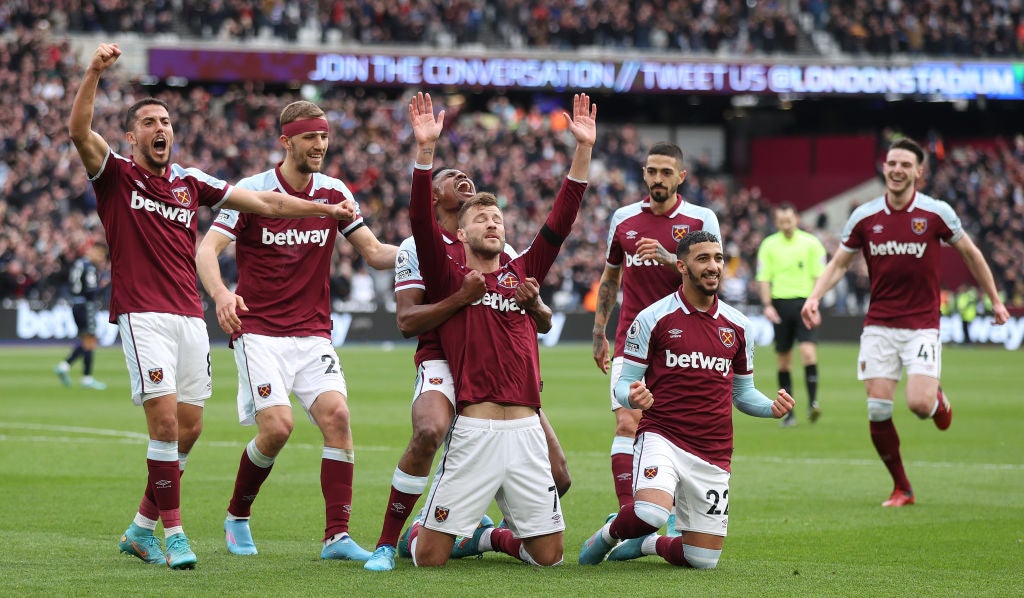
[23,323]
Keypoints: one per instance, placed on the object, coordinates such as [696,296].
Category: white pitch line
[127,437]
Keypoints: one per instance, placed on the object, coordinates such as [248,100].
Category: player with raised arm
[638,263]
[687,361]
[279,319]
[496,448]
[900,235]
[147,206]
[433,405]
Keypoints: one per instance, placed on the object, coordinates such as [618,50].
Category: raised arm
[90,145]
[583,126]
[426,129]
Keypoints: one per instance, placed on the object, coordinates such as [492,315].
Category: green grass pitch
[805,502]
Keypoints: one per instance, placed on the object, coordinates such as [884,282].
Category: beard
[698,284]
[481,248]
[660,194]
[304,167]
[148,156]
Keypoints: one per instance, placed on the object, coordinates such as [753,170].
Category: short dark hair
[481,200]
[785,207]
[906,143]
[664,148]
[692,238]
[129,119]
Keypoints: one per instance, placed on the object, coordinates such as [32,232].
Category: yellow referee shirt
[790,265]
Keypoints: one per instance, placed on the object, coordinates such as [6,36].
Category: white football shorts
[501,460]
[270,368]
[613,375]
[884,352]
[166,354]
[435,375]
[701,489]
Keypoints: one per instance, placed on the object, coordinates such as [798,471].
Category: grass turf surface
[804,502]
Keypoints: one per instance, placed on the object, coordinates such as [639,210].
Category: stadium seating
[48,209]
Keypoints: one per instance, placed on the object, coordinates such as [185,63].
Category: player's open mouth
[160,144]
[464,186]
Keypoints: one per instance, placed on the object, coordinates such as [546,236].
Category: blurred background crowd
[516,148]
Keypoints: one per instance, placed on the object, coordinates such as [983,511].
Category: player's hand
[104,57]
[426,128]
[809,313]
[583,122]
[772,314]
[474,285]
[782,404]
[228,304]
[640,396]
[1000,315]
[601,353]
[528,293]
[343,211]
[651,249]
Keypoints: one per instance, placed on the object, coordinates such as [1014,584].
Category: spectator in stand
[46,212]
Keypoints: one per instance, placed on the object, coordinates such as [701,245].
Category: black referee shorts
[791,327]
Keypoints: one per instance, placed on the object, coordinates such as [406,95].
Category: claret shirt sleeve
[427,235]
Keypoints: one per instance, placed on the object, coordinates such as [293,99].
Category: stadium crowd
[519,152]
[990,28]
[871,27]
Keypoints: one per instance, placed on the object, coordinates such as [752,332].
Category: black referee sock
[786,381]
[87,358]
[811,375]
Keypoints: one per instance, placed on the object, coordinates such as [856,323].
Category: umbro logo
[675,333]
[631,235]
[877,229]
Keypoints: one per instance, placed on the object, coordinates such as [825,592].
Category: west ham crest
[651,472]
[156,375]
[679,231]
[919,225]
[728,336]
[263,390]
[441,514]
[509,280]
[182,196]
[436,381]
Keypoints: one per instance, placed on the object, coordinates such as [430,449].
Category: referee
[788,263]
